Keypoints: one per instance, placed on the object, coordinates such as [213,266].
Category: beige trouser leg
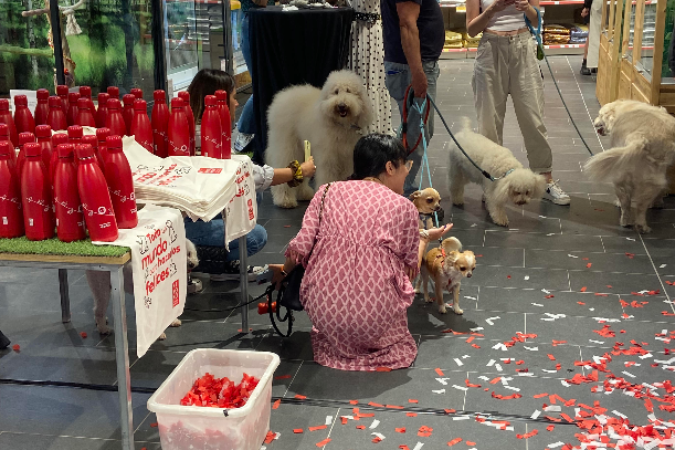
[508,65]
[594,35]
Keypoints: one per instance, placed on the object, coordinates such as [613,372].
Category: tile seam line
[583,99]
[658,275]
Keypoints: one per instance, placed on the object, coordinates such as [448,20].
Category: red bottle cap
[185,95]
[61,90]
[128,99]
[137,92]
[59,138]
[113,142]
[210,100]
[6,148]
[91,140]
[221,95]
[4,104]
[43,131]
[55,101]
[177,102]
[75,132]
[21,100]
[32,149]
[83,103]
[73,97]
[159,95]
[113,103]
[114,92]
[26,137]
[4,130]
[84,151]
[103,99]
[85,91]
[102,133]
[140,105]
[65,150]
[42,94]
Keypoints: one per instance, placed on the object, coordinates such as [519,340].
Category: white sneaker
[231,272]
[242,141]
[555,194]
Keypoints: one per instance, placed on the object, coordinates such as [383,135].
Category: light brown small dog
[427,202]
[447,272]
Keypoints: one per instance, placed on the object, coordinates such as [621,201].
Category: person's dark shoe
[4,342]
[585,70]
[594,70]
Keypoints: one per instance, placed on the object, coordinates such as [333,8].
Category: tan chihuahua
[427,202]
[447,271]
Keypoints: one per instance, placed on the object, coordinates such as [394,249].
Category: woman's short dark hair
[373,152]
[207,82]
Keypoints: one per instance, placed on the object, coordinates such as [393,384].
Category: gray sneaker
[555,194]
[242,141]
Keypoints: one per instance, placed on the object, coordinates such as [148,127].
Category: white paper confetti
[461,418]
[663,266]
[554,408]
[667,361]
[628,374]
[556,444]
[470,298]
[645,356]
[474,330]
[532,349]
[379,435]
[542,217]
[500,346]
[498,367]
[512,388]
[461,388]
[458,362]
[484,378]
[525,374]
[492,361]
[545,291]
[418,446]
[329,420]
[565,383]
[537,304]
[596,342]
[535,414]
[439,391]
[572,256]
[630,239]
[551,234]
[489,320]
[373,425]
[549,371]
[443,381]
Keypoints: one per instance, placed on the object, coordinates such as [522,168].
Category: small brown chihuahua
[427,202]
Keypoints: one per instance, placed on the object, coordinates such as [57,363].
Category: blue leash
[540,51]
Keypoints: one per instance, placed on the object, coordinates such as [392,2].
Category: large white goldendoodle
[332,119]
[643,147]
[515,183]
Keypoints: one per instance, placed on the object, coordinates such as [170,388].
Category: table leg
[65,295]
[243,256]
[122,357]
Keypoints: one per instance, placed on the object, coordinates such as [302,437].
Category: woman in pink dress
[357,287]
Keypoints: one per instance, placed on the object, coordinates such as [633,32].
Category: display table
[290,48]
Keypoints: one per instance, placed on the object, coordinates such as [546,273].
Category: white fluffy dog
[643,147]
[332,119]
[515,183]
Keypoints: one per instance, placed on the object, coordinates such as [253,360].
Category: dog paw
[102,326]
[162,337]
[501,221]
[287,203]
[626,222]
[457,309]
[642,228]
[428,299]
[441,309]
[176,323]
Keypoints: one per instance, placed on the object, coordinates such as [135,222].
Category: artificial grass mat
[22,245]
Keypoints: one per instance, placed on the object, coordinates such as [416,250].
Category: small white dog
[516,183]
[643,147]
[447,266]
[332,119]
[101,300]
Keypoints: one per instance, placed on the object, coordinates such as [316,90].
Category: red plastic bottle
[212,133]
[102,150]
[115,119]
[137,92]
[120,184]
[85,92]
[179,134]
[191,119]
[71,115]
[160,124]
[36,196]
[140,126]
[62,92]
[75,134]
[23,118]
[226,123]
[102,111]
[93,141]
[11,216]
[57,139]
[67,206]
[6,118]
[57,118]
[24,138]
[4,136]
[128,111]
[114,92]
[43,133]
[96,204]
[42,108]
[85,116]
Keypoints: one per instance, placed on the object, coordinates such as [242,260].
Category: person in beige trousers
[506,63]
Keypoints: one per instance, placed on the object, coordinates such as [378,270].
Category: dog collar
[508,172]
[423,218]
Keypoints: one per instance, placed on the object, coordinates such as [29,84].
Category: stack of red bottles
[6,118]
[212,392]
[23,118]
[120,184]
[211,139]
[141,128]
[85,115]
[42,108]
[160,124]
[36,196]
[11,216]
[71,114]
[57,117]
[179,134]
[67,206]
[128,111]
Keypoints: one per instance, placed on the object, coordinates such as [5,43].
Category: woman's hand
[437,233]
[308,168]
[585,12]
[278,276]
[500,5]
[522,5]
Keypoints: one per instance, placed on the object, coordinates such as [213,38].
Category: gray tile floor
[547,248]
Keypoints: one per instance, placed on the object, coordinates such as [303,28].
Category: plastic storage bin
[199,428]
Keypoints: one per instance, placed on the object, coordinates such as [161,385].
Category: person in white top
[506,63]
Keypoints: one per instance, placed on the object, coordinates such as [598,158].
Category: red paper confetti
[320,427]
[551,357]
[383,369]
[353,402]
[439,372]
[16,347]
[323,443]
[630,255]
[450,411]
[550,428]
[468,384]
[528,435]
[411,414]
[454,441]
[583,289]
[400,430]
[549,296]
[83,334]
[360,427]
[470,443]
[276,404]
[425,431]
[270,437]
[412,400]
[154,425]
[556,343]
[588,266]
[298,431]
[300,397]
[209,391]
[508,277]
[282,377]
[377,440]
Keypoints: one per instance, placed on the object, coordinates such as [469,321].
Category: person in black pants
[4,342]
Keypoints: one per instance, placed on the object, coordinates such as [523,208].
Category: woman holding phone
[506,63]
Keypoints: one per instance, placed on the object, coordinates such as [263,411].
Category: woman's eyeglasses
[408,165]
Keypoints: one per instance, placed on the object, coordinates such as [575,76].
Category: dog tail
[452,244]
[616,160]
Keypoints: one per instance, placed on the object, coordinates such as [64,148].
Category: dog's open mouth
[600,130]
[343,113]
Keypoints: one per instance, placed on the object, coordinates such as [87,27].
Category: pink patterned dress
[355,289]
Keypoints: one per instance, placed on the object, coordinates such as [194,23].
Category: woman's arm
[477,21]
[528,8]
